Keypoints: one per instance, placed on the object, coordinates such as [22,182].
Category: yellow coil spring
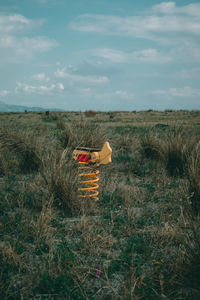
[92,182]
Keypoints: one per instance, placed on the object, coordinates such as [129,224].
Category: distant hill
[18,108]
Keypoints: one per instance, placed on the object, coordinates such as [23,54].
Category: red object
[84,158]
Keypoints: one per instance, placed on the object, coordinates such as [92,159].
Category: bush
[175,153]
[61,177]
[170,148]
[90,113]
[150,146]
[25,146]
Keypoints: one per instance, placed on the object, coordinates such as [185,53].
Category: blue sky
[100,54]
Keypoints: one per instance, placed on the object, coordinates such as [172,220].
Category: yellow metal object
[91,182]
[94,157]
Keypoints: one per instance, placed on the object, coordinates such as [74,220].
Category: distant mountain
[18,108]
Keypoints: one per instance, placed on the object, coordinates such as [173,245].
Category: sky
[78,55]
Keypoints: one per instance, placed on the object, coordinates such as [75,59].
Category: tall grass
[60,175]
[170,148]
[80,133]
[141,238]
[175,152]
[25,146]
[151,146]
[194,178]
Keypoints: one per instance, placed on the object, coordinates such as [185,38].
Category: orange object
[94,157]
[92,182]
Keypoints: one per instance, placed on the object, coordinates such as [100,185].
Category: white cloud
[185,92]
[188,73]
[151,26]
[17,24]
[110,54]
[15,44]
[124,95]
[41,77]
[150,55]
[4,93]
[60,86]
[85,91]
[188,51]
[24,47]
[165,23]
[145,55]
[61,73]
[41,89]
[177,27]
[192,9]
[165,7]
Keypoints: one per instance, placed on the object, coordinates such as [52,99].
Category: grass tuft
[150,146]
[60,175]
[175,153]
[194,178]
[25,146]
[139,241]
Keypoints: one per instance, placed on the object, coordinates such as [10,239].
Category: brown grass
[25,146]
[194,178]
[143,231]
[60,175]
[90,113]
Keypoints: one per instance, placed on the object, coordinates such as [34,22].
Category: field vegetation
[141,240]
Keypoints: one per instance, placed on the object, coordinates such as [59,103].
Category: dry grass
[60,176]
[140,241]
[151,146]
[176,152]
[90,113]
[194,178]
[25,146]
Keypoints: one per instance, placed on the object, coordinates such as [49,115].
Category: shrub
[87,134]
[81,133]
[175,152]
[65,134]
[150,146]
[90,113]
[170,148]
[60,175]
[25,146]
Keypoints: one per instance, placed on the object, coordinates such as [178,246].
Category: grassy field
[141,240]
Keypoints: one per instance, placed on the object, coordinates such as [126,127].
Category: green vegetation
[143,235]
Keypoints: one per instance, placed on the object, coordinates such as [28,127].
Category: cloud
[145,55]
[41,89]
[188,73]
[165,7]
[51,2]
[14,49]
[110,54]
[4,93]
[15,44]
[164,23]
[124,95]
[60,86]
[192,9]
[185,92]
[85,91]
[41,77]
[17,23]
[61,73]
